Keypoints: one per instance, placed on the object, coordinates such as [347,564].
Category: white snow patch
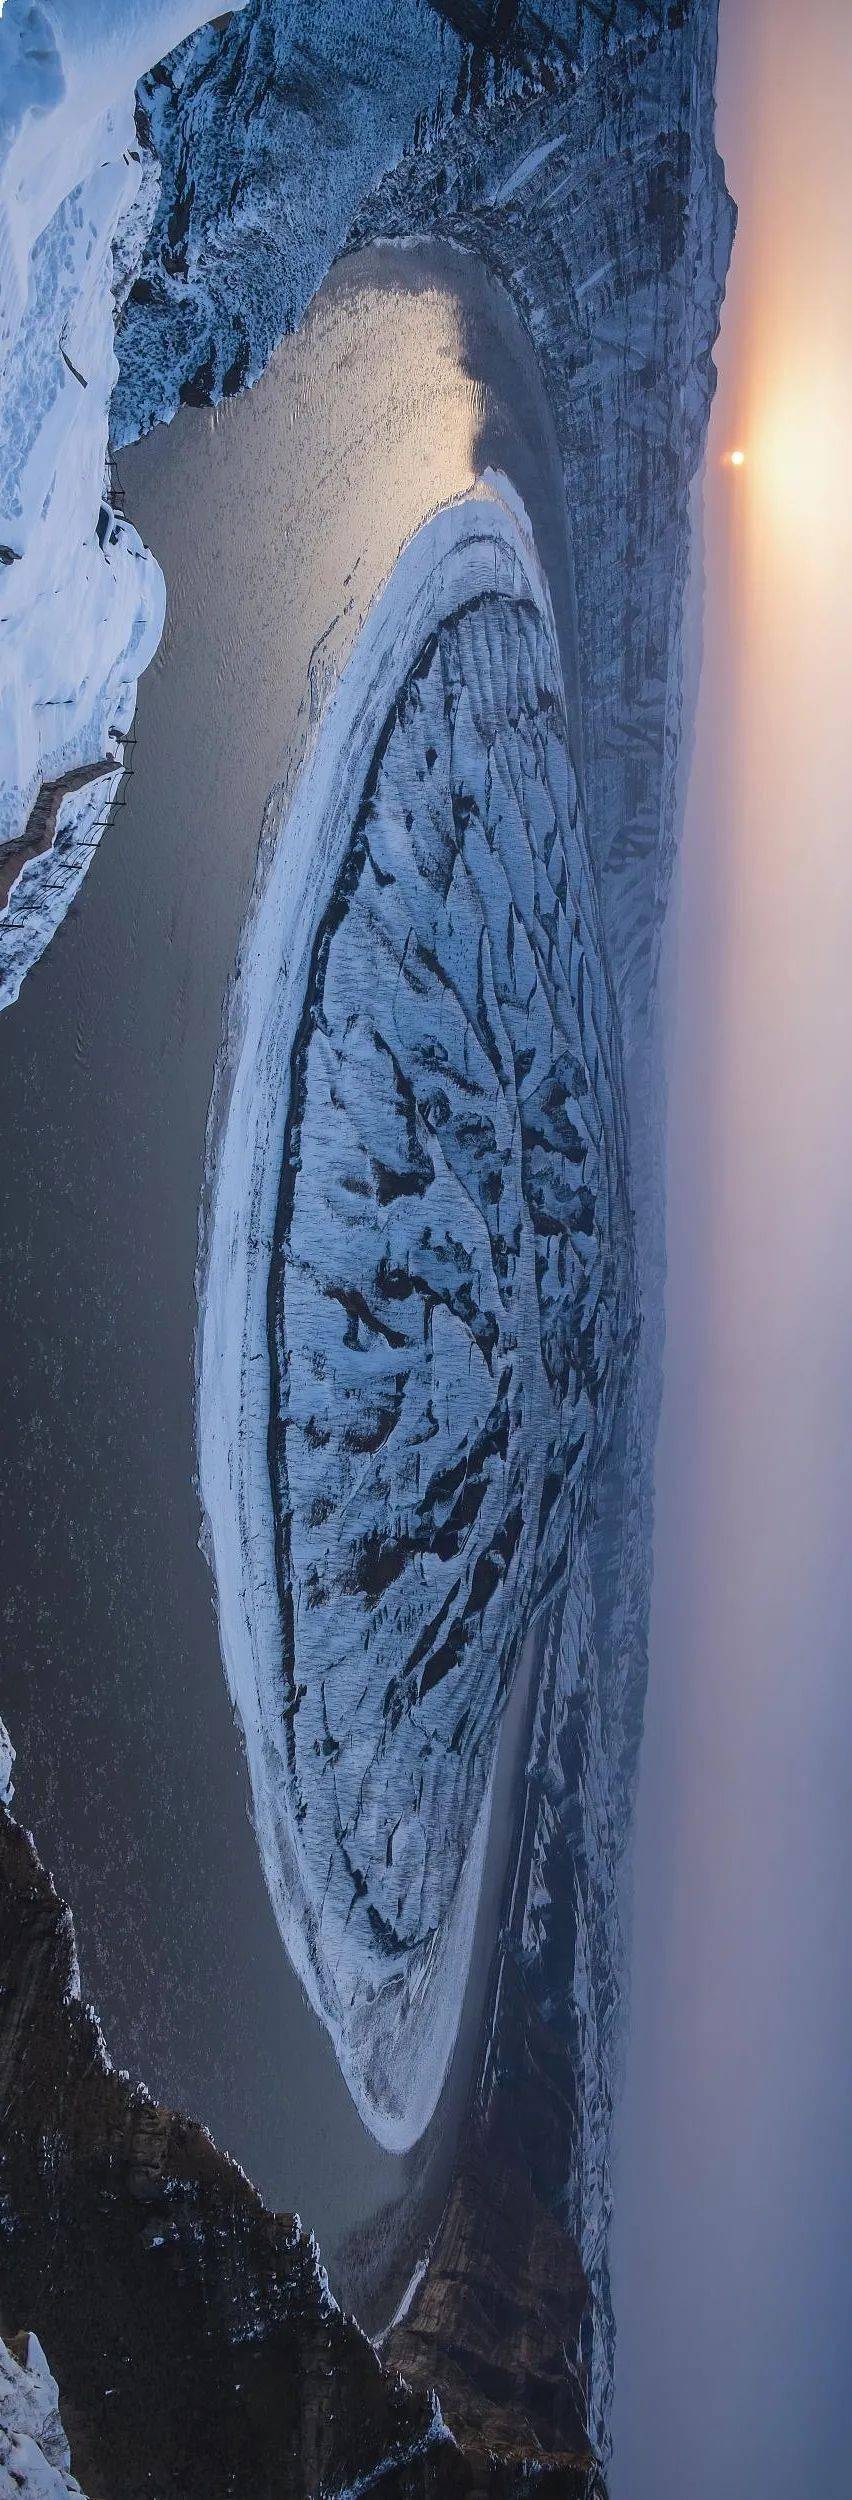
[417,2276]
[35,2459]
[7,1757]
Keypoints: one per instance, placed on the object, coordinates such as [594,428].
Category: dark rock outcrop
[196,2345]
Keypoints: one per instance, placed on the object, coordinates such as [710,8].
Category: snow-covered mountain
[81,600]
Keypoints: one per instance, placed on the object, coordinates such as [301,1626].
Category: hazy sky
[733,2238]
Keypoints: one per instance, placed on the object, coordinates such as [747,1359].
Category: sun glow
[735,459]
[794,349]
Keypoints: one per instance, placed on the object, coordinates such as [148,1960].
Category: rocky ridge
[194,2336]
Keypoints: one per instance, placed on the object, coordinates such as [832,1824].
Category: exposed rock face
[195,2340]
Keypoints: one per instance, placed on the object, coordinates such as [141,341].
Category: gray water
[276,520]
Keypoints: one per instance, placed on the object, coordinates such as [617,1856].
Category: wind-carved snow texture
[446,1303]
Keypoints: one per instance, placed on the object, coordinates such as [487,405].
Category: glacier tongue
[445,1280]
[81,600]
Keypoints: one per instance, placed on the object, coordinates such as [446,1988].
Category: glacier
[216,192]
[416,1289]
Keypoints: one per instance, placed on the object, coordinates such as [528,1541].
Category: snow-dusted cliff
[588,182]
[247,155]
[35,2458]
[81,599]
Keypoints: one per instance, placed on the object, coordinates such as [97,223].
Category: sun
[735,459]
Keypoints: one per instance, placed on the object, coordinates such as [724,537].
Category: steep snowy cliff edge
[35,2458]
[81,599]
